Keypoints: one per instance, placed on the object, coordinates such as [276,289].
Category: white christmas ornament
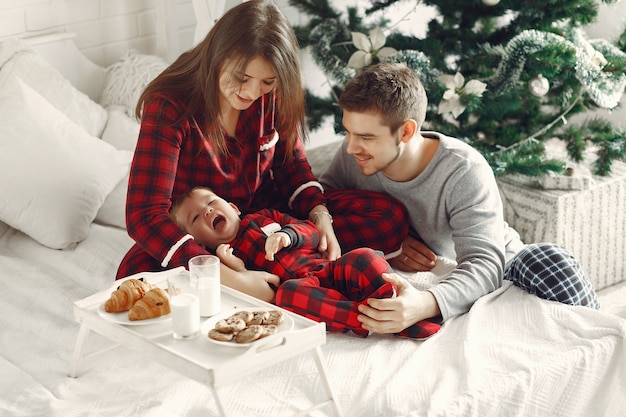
[539,86]
[490,2]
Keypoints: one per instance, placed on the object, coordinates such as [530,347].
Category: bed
[513,354]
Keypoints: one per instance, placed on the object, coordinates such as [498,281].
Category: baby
[312,286]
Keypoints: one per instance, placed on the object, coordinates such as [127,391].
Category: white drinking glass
[184,306]
[205,274]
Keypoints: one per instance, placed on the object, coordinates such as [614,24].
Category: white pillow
[3,228]
[121,131]
[54,176]
[41,76]
[127,78]
[113,210]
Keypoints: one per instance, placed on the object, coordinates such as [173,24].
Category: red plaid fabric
[332,295]
[365,218]
[172,157]
[422,329]
[322,290]
[302,259]
[326,291]
[295,262]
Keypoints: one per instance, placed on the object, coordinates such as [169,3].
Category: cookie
[242,315]
[275,317]
[268,330]
[258,317]
[222,337]
[249,334]
[230,325]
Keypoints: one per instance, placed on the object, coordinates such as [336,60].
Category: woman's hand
[258,284]
[415,256]
[392,315]
[329,245]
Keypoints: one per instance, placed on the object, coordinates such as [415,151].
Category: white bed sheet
[511,355]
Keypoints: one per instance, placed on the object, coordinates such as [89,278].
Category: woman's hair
[392,90]
[256,28]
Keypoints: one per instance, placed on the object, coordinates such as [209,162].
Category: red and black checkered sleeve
[302,190]
[151,182]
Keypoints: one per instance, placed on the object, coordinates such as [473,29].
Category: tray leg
[83,333]
[321,367]
[218,401]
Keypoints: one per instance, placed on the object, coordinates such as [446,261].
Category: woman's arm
[329,245]
[254,283]
[154,171]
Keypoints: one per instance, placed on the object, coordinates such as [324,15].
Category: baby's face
[211,220]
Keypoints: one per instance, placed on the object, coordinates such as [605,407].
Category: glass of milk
[184,306]
[205,275]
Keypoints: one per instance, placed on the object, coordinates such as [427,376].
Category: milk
[204,271]
[209,295]
[185,310]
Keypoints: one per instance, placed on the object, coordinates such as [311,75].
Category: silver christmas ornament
[539,86]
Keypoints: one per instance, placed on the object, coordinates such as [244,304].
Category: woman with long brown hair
[229,115]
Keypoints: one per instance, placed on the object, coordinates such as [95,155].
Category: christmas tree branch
[322,36]
[604,88]
[516,53]
[543,130]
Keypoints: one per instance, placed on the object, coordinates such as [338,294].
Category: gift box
[590,222]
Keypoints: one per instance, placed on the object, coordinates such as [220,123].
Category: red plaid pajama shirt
[172,156]
[312,286]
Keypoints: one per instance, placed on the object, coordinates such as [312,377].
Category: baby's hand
[225,253]
[274,243]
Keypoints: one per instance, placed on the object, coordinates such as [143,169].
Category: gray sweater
[455,208]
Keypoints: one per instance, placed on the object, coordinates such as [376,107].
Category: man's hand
[392,315]
[415,256]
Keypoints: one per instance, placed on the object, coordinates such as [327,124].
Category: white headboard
[60,50]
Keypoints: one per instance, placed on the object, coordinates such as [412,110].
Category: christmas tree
[504,76]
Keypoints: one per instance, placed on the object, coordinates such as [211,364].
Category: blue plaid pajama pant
[551,272]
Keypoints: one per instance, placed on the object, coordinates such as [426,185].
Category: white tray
[208,363]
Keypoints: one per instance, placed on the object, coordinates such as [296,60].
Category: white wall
[105,28]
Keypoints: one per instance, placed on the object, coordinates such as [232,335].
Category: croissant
[154,304]
[126,295]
